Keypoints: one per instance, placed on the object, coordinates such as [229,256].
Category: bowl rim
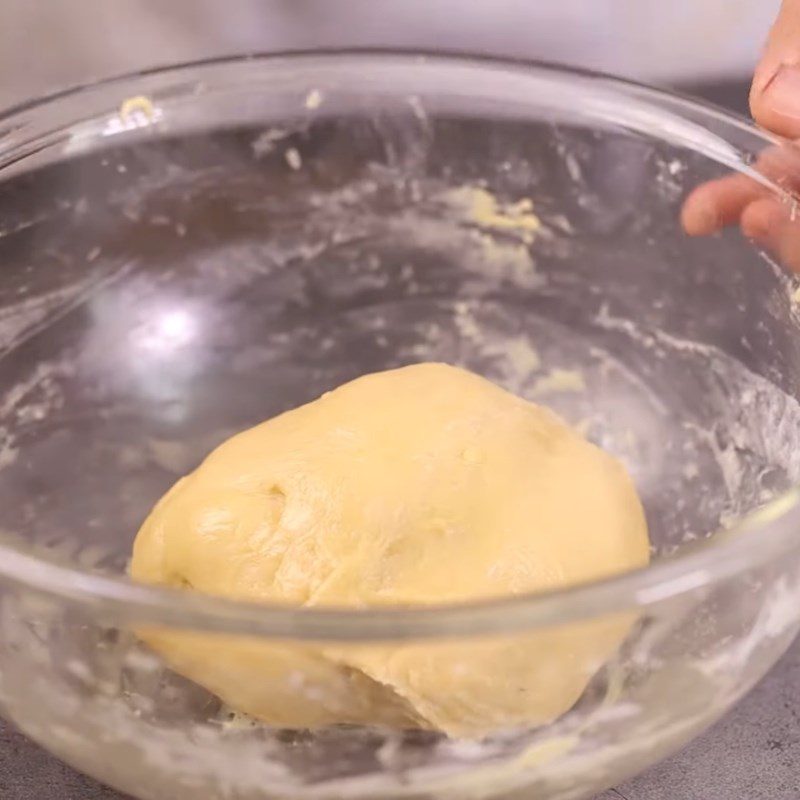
[758,538]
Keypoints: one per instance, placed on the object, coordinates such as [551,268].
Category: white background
[47,44]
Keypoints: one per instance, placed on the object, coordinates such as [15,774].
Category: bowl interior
[161,290]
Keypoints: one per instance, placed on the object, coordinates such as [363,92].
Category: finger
[775,92]
[774,225]
[763,220]
[781,165]
[719,203]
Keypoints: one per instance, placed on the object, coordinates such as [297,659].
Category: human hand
[775,92]
[769,218]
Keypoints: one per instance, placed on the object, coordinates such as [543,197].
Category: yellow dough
[421,485]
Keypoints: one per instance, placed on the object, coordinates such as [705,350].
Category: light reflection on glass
[168,331]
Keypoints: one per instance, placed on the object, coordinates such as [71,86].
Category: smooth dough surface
[421,485]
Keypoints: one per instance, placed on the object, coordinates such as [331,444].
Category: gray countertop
[752,754]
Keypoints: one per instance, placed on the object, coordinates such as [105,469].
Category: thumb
[775,93]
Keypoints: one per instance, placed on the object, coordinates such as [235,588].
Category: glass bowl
[188,251]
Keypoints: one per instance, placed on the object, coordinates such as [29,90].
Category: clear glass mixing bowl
[186,252]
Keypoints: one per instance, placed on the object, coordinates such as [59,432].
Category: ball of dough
[421,485]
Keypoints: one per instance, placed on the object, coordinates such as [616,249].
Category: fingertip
[699,215]
[775,103]
[762,220]
[765,72]
[773,225]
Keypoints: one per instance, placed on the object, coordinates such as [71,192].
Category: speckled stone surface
[753,754]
